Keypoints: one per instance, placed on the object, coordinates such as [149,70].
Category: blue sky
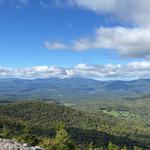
[24,30]
[72,32]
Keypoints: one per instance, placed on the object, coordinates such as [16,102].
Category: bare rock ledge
[12,145]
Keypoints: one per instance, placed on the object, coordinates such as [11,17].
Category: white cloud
[130,42]
[133,70]
[139,65]
[39,72]
[55,45]
[136,10]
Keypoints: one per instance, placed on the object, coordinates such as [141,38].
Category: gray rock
[12,145]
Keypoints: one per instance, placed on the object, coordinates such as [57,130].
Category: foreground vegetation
[132,115]
[38,123]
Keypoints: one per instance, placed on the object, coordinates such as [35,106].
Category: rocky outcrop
[12,145]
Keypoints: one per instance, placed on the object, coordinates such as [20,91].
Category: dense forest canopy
[32,121]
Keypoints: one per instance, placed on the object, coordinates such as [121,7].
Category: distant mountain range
[72,89]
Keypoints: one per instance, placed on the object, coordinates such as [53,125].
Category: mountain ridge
[72,89]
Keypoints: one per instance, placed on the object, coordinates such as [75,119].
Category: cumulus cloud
[130,42]
[130,10]
[133,70]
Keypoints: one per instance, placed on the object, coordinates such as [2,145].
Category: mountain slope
[72,89]
[44,117]
[49,114]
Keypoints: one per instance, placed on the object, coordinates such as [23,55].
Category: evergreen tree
[5,133]
[91,146]
[63,140]
[112,146]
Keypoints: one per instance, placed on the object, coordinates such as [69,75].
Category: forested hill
[72,89]
[40,119]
